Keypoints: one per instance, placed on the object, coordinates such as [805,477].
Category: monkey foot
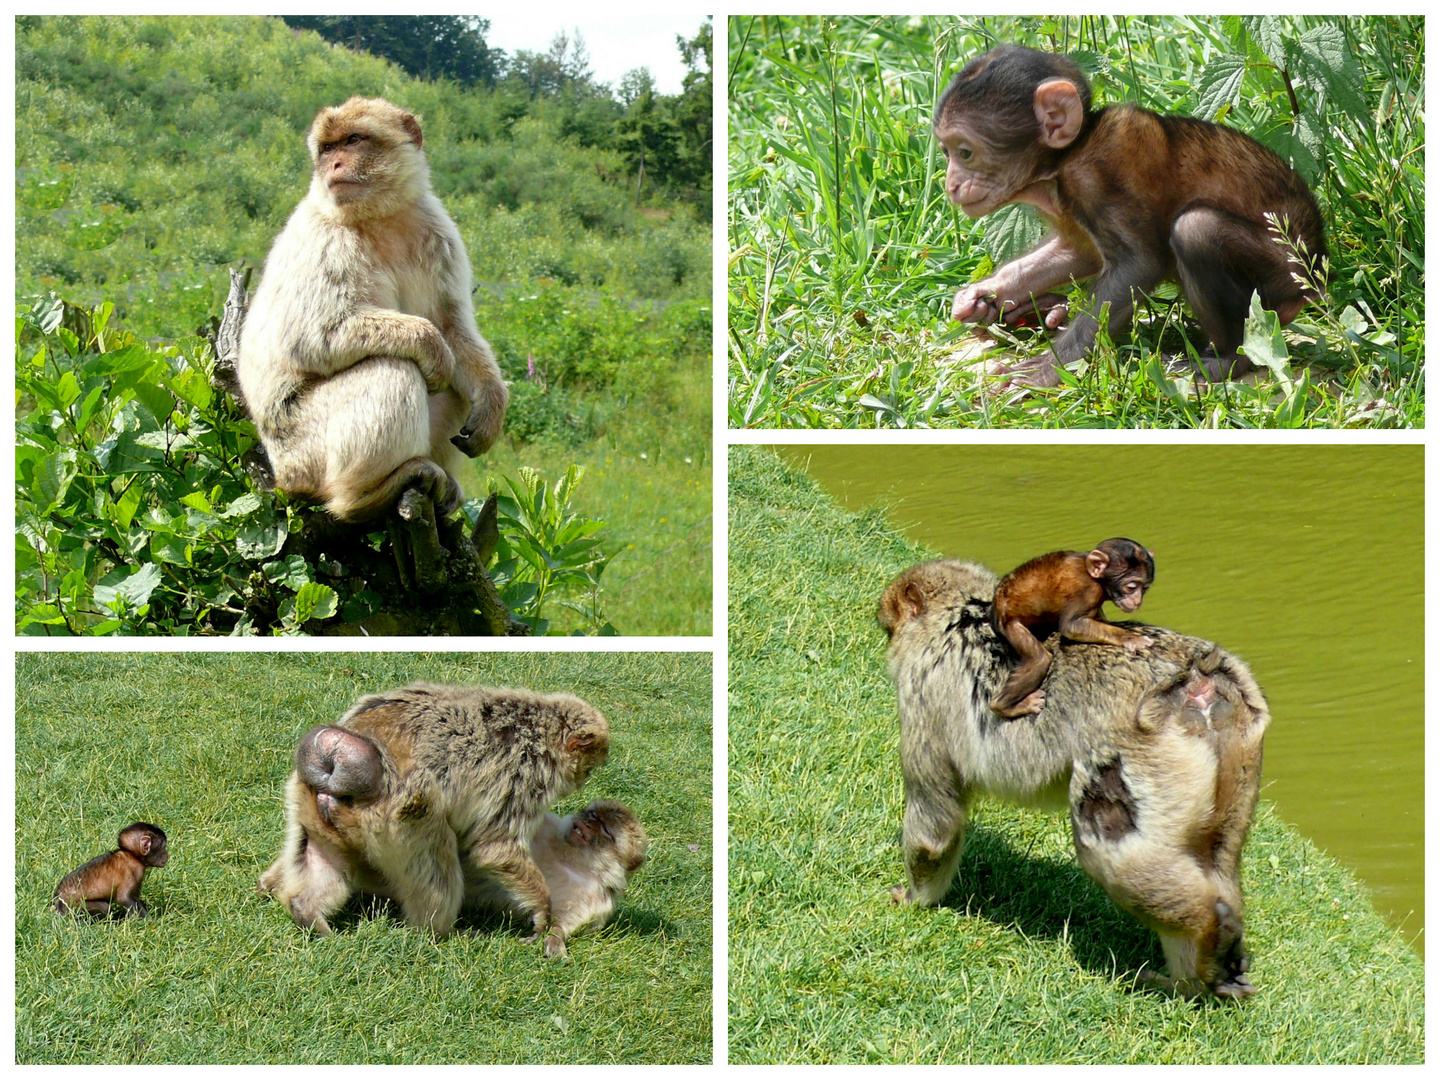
[899,895]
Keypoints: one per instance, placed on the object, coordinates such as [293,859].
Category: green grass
[201,745]
[845,253]
[1026,960]
[648,477]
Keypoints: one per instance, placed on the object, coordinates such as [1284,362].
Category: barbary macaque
[109,885]
[426,792]
[587,859]
[1157,755]
[1065,591]
[1133,198]
[360,361]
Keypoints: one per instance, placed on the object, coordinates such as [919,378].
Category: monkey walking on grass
[1156,753]
[439,796]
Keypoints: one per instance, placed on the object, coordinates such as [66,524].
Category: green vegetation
[202,744]
[152,153]
[1027,959]
[846,253]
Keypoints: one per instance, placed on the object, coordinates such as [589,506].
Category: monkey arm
[376,331]
[477,380]
[1095,631]
[1032,276]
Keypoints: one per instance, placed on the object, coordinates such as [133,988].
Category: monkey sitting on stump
[1133,199]
[430,794]
[1157,755]
[109,885]
[1065,591]
[360,361]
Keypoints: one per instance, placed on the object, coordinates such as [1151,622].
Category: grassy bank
[201,745]
[1025,961]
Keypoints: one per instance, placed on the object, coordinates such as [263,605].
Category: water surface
[1307,562]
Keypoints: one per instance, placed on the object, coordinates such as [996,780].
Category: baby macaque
[587,859]
[1065,591]
[109,884]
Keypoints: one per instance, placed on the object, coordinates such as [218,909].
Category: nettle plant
[135,514]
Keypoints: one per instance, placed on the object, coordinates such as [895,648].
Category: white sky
[616,43]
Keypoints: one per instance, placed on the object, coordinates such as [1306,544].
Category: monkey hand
[979,303]
[554,945]
[1137,643]
[481,429]
[899,895]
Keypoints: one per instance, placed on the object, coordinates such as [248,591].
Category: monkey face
[977,179]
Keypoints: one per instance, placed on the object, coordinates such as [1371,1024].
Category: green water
[1307,562]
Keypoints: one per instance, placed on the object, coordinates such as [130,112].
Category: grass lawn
[648,477]
[201,745]
[845,253]
[1026,960]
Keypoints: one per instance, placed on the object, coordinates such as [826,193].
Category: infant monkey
[587,859]
[109,885]
[1065,591]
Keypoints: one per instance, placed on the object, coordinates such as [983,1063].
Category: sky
[616,43]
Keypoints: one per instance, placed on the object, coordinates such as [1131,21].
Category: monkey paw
[1138,643]
[554,946]
[481,429]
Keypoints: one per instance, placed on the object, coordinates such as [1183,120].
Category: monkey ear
[914,598]
[1059,111]
[581,740]
[412,128]
[1096,563]
[145,841]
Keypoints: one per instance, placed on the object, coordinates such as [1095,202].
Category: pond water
[1306,561]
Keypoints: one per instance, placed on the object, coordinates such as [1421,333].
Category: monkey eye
[965,153]
[354,137]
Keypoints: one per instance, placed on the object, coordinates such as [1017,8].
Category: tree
[426,46]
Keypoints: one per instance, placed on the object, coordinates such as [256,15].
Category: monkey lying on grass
[1156,753]
[437,797]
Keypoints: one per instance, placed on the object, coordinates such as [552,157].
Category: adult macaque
[438,788]
[1065,591]
[109,884]
[1157,754]
[1133,198]
[360,360]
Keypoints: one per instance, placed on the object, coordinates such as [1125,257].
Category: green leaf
[120,591]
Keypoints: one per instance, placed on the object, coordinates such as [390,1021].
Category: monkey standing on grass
[1133,198]
[1157,754]
[359,359]
[428,794]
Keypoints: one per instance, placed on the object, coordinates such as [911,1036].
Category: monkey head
[912,593]
[146,842]
[1003,122]
[1124,569]
[611,824]
[367,156]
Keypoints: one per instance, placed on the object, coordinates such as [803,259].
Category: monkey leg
[376,442]
[1221,260]
[311,881]
[1134,823]
[1021,694]
[514,871]
[424,874]
[933,839]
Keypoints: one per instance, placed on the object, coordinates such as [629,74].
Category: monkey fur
[464,779]
[1065,591]
[1134,198]
[1156,754]
[109,885]
[360,361]
[587,859]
